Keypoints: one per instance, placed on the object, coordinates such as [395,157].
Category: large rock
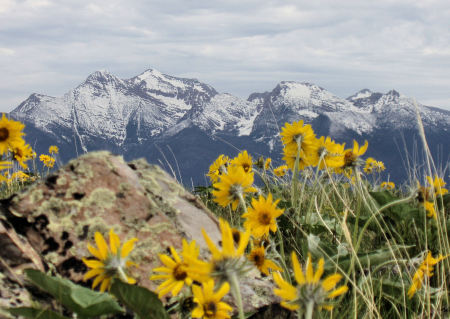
[49,225]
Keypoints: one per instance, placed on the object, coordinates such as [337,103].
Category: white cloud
[237,46]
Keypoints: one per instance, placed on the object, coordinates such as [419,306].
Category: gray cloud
[50,46]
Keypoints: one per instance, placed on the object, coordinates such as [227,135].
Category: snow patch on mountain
[226,112]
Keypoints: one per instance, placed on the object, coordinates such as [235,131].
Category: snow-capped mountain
[153,113]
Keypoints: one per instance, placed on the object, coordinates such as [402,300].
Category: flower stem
[236,292]
[309,310]
[294,189]
[242,202]
[122,275]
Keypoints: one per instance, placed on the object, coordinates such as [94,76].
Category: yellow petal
[92,273]
[363,148]
[105,284]
[98,280]
[175,255]
[331,281]
[102,246]
[94,251]
[319,271]
[298,273]
[222,291]
[93,263]
[177,287]
[227,238]
[243,242]
[341,290]
[167,261]
[309,270]
[212,247]
[128,247]
[197,312]
[114,242]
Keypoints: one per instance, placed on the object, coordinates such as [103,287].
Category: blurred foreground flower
[311,292]
[111,261]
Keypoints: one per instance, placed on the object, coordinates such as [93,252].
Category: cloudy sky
[237,46]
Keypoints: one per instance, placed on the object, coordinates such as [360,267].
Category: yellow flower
[258,257]
[425,269]
[208,302]
[429,207]
[244,160]
[10,134]
[260,218]
[218,168]
[47,160]
[267,163]
[297,135]
[232,186]
[229,260]
[290,155]
[388,185]
[372,164]
[310,288]
[111,261]
[438,185]
[175,270]
[53,149]
[280,170]
[330,153]
[19,175]
[351,156]
[21,153]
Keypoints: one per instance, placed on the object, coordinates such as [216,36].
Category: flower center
[4,134]
[349,158]
[246,167]
[179,273]
[210,308]
[236,236]
[264,218]
[258,259]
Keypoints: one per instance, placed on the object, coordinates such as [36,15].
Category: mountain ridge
[152,108]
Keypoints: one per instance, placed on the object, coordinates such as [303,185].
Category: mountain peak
[361,94]
[393,93]
[102,76]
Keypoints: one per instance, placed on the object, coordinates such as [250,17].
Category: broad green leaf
[83,301]
[373,258]
[34,313]
[141,300]
[398,212]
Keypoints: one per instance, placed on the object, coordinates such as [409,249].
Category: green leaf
[83,301]
[139,299]
[399,212]
[34,313]
[445,200]
[372,259]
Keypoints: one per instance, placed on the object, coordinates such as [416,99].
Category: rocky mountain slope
[184,124]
